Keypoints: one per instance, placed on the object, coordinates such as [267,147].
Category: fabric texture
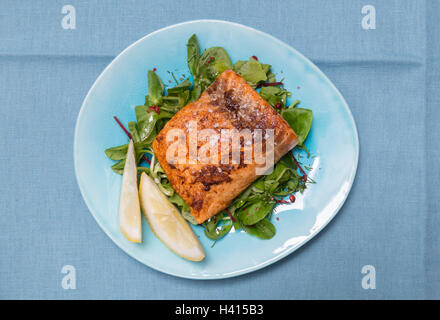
[389,76]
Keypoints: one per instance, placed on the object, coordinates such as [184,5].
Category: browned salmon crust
[227,104]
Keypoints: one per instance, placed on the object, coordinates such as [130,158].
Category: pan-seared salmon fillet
[229,103]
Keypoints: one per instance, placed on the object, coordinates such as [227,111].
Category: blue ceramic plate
[332,140]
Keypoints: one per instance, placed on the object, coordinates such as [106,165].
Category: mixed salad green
[252,210]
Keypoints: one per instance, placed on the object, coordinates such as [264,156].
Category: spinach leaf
[284,179]
[119,166]
[219,232]
[263,229]
[174,102]
[274,95]
[288,161]
[279,176]
[300,120]
[238,65]
[271,77]
[216,227]
[147,119]
[241,199]
[200,84]
[117,153]
[177,97]
[193,53]
[252,71]
[132,127]
[213,61]
[255,212]
[120,152]
[155,89]
[183,86]
[266,67]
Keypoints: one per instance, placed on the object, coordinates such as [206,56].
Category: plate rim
[279,256]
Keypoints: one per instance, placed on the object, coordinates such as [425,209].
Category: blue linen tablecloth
[390,77]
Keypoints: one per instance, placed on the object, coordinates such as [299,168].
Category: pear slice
[130,220]
[167,223]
